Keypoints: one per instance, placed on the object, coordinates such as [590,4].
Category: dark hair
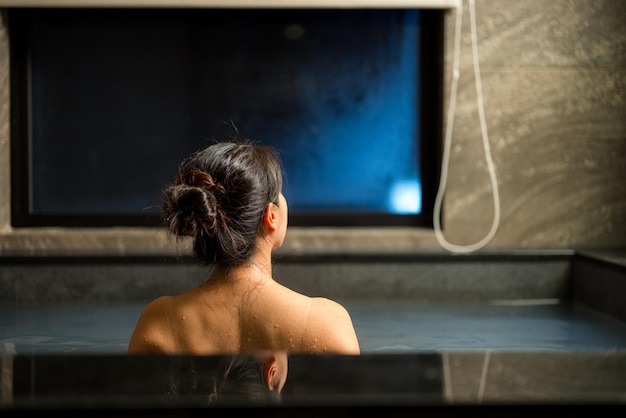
[219,198]
[220,380]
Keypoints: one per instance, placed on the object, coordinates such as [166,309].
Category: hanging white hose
[448,138]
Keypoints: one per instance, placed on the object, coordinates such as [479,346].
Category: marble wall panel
[553,77]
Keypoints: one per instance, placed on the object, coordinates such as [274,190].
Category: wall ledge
[133,241]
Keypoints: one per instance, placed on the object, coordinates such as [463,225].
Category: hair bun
[192,204]
[203,180]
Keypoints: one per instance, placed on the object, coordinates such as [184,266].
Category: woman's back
[230,316]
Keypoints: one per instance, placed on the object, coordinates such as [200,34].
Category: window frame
[431,134]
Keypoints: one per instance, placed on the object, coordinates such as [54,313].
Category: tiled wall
[554,89]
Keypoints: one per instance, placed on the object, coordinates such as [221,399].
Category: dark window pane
[117,97]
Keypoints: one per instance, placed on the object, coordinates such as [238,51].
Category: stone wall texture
[553,77]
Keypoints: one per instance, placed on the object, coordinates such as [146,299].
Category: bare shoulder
[147,336]
[330,328]
[326,306]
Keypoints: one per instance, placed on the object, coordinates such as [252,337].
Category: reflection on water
[242,380]
[394,327]
[225,380]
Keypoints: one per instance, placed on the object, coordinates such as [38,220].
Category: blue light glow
[405,197]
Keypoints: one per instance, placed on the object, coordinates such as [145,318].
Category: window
[106,102]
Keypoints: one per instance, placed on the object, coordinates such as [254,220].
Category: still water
[382,327]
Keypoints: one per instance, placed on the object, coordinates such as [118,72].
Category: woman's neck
[257,269]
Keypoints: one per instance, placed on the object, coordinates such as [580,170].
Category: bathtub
[504,329]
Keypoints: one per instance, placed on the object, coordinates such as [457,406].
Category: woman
[228,198]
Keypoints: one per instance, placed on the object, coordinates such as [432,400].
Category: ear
[270,369]
[270,217]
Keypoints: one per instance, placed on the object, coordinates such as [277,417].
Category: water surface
[382,327]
